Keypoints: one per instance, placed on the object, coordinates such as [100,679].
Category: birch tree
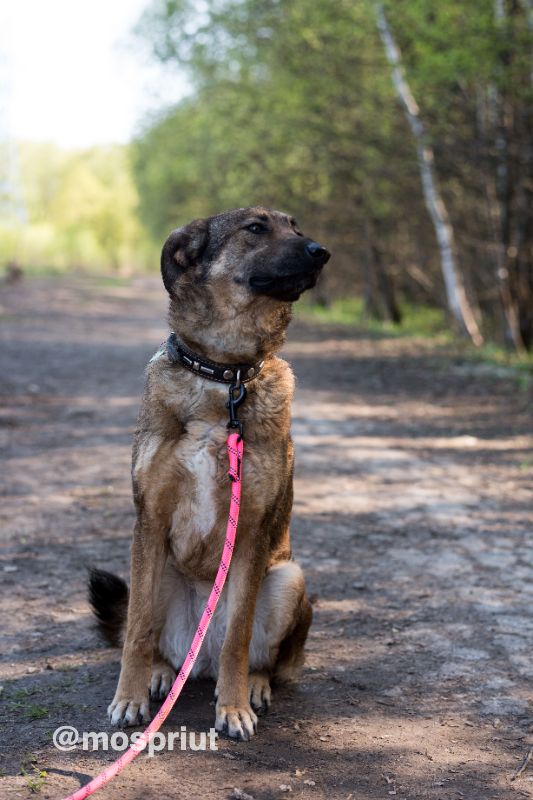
[457,300]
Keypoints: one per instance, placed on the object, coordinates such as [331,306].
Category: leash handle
[235,446]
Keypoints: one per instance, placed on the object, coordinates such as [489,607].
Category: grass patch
[36,712]
[21,694]
[417,320]
[422,322]
[31,710]
[500,356]
[35,779]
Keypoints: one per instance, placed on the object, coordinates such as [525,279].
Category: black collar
[212,370]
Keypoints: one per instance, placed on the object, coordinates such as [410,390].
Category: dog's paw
[124,712]
[259,689]
[163,676]
[239,722]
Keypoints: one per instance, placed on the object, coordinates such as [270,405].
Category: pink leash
[235,450]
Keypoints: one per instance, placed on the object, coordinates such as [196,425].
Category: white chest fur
[200,459]
[198,456]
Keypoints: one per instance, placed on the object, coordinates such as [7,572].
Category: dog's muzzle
[297,272]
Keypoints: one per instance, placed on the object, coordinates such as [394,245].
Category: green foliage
[430,324]
[36,780]
[35,777]
[287,111]
[81,208]
[417,320]
[37,712]
[292,106]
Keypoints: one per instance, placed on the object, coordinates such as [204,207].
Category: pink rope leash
[235,446]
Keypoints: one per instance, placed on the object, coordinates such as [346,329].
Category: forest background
[399,134]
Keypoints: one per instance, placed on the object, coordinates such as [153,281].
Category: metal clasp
[237,396]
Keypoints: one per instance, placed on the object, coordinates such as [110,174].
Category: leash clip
[233,403]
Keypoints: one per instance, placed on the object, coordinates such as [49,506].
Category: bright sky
[71,73]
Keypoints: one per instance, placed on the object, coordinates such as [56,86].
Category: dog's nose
[316,251]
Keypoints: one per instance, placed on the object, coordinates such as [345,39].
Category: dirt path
[413,520]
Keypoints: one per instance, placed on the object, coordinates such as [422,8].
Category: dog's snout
[316,251]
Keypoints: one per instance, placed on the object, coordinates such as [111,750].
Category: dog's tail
[108,596]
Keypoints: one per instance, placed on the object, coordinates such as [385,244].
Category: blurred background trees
[75,209]
[293,106]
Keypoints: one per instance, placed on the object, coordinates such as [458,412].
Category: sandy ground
[413,520]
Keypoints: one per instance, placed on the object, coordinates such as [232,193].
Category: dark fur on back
[108,596]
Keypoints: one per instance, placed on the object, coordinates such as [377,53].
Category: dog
[232,279]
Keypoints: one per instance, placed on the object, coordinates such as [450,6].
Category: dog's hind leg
[163,672]
[282,619]
[163,676]
[291,650]
[260,692]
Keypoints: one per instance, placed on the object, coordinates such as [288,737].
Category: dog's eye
[294,226]
[256,227]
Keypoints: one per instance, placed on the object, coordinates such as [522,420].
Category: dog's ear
[181,250]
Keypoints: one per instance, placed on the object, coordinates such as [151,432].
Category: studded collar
[178,353]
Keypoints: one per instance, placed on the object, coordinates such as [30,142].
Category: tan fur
[181,487]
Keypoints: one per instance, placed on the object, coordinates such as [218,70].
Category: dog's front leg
[234,714]
[148,556]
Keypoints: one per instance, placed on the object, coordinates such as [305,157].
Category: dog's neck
[220,334]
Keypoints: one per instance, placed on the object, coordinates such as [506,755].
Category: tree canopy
[293,106]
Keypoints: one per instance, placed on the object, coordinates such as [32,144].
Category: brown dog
[231,280]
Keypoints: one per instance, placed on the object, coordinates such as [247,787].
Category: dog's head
[247,253]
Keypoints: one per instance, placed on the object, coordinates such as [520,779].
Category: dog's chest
[199,515]
[197,457]
[180,470]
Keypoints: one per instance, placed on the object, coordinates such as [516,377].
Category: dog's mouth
[285,287]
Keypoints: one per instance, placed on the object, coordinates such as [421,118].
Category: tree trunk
[457,300]
[502,114]
[514,169]
[380,294]
[384,279]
